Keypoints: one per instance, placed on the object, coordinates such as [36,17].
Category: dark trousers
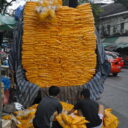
[34,124]
[54,125]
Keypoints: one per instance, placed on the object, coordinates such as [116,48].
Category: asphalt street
[115,96]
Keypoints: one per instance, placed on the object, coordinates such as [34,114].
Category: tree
[96,12]
[4,4]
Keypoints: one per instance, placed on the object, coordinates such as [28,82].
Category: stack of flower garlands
[72,120]
[59,44]
[24,118]
[75,121]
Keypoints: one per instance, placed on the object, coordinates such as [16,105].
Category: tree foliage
[4,4]
[96,12]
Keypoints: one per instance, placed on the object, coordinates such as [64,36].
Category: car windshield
[113,54]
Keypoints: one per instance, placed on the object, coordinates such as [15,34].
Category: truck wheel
[115,74]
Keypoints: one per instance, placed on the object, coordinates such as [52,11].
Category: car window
[110,57]
[114,56]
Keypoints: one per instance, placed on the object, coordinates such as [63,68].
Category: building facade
[113,21]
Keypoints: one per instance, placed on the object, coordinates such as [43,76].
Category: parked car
[116,56]
[115,66]
[126,62]
[120,61]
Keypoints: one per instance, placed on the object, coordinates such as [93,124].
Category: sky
[17,3]
[103,1]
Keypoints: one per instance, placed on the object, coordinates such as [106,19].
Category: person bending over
[47,109]
[92,111]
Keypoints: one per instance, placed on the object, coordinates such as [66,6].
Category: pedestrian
[7,83]
[91,110]
[47,109]
[6,80]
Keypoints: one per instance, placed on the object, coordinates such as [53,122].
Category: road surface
[115,96]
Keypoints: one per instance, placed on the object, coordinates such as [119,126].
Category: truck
[57,47]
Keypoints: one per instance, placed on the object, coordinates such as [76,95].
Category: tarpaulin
[115,42]
[7,22]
